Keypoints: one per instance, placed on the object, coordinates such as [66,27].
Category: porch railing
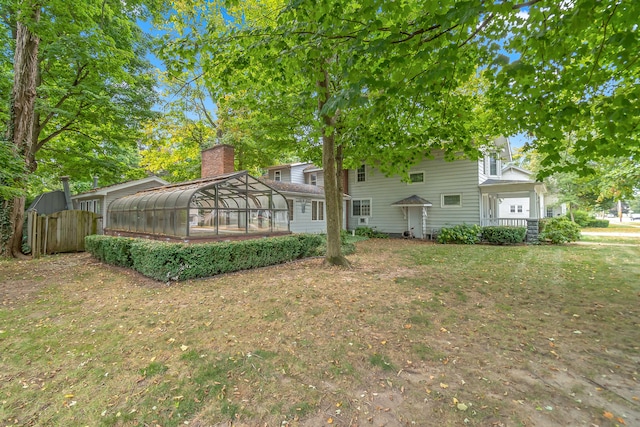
[503,222]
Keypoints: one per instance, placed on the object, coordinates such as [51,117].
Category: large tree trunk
[21,125]
[332,197]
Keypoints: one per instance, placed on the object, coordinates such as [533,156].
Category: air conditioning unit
[363,221]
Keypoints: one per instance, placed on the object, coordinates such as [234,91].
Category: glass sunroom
[226,205]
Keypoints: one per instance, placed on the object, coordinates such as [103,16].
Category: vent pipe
[67,192]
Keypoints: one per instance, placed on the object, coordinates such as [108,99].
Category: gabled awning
[412,201]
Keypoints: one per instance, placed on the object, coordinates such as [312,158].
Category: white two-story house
[440,193]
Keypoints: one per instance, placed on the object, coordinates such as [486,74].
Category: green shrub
[559,230]
[581,218]
[467,234]
[371,233]
[110,249]
[179,261]
[598,223]
[504,235]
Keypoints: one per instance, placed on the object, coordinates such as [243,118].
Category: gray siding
[302,222]
[319,177]
[441,177]
[285,175]
[297,173]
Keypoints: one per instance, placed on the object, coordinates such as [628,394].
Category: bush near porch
[470,234]
[178,261]
[504,235]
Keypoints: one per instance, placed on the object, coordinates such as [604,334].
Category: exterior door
[415,221]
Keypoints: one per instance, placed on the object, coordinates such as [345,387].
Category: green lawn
[413,334]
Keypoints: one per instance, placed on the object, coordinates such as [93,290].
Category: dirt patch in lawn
[413,334]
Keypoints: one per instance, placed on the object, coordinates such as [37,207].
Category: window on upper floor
[416,177]
[313,179]
[277,176]
[493,164]
[361,207]
[512,208]
[361,174]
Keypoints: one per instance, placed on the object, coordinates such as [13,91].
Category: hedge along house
[222,204]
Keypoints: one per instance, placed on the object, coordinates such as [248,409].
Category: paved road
[613,233]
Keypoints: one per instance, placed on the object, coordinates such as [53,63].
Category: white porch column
[534,209]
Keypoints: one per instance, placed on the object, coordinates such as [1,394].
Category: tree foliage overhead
[574,84]
[94,86]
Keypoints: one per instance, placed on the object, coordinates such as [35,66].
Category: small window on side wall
[416,177]
[361,174]
[451,200]
[313,179]
[277,176]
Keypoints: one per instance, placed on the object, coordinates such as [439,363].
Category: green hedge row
[470,234]
[180,261]
[504,235]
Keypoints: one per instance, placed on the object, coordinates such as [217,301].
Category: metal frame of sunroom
[231,204]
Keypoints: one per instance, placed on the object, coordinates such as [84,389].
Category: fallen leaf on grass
[608,415]
[443,385]
[184,347]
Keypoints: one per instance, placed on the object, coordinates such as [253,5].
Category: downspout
[345,183]
[67,192]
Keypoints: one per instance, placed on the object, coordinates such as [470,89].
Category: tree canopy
[86,69]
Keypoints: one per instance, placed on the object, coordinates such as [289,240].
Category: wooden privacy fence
[62,231]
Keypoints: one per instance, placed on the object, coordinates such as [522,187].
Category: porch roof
[412,201]
[511,186]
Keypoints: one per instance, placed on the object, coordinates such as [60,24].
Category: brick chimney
[217,160]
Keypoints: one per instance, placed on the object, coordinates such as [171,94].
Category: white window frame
[361,174]
[91,205]
[442,197]
[416,173]
[317,210]
[313,179]
[494,160]
[520,209]
[512,208]
[277,176]
[360,214]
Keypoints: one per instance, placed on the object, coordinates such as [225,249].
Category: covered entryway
[414,209]
[526,196]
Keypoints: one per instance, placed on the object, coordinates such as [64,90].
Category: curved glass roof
[229,204]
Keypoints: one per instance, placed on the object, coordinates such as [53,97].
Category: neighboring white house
[440,193]
[519,206]
[98,199]
[553,207]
